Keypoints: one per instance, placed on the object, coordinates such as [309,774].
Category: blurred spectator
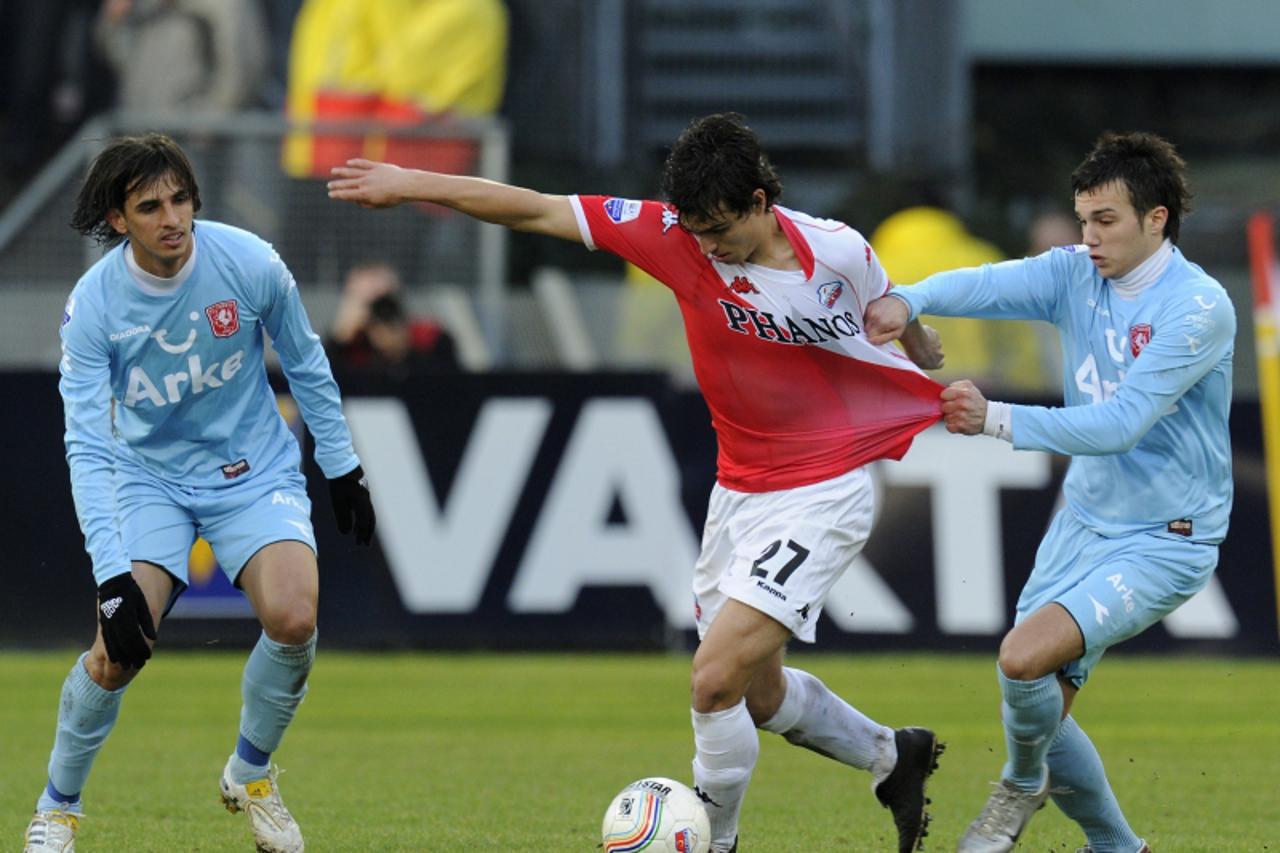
[1052,228]
[372,332]
[200,55]
[395,62]
[53,82]
[389,64]
[919,241]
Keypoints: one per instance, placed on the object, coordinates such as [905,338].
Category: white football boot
[52,831]
[1005,816]
[274,829]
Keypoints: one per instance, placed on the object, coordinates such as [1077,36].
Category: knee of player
[1018,662]
[711,687]
[104,673]
[291,624]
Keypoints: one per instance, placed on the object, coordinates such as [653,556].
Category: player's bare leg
[741,643]
[282,584]
[1033,707]
[87,713]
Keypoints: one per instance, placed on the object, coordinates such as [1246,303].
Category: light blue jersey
[1147,386]
[174,382]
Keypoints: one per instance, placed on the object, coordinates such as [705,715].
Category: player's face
[157,221]
[1118,239]
[728,237]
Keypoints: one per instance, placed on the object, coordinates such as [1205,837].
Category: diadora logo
[224,317]
[129,333]
[670,219]
[762,324]
[1139,337]
[196,378]
[742,284]
[828,293]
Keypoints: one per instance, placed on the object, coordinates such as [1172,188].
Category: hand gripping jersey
[175,383]
[1147,386]
[797,394]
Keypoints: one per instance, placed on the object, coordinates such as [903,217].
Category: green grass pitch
[425,752]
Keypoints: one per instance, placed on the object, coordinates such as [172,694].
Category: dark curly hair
[123,167]
[717,165]
[1149,168]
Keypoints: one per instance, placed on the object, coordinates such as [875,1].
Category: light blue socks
[1080,788]
[1031,711]
[86,715]
[275,680]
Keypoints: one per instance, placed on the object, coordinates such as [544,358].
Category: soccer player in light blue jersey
[172,432]
[1147,339]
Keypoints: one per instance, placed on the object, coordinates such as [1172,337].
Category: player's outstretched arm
[371,184]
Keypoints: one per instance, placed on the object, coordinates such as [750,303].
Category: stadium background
[549,494]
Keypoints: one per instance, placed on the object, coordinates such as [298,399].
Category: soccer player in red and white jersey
[772,301]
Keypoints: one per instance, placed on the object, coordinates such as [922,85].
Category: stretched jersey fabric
[1147,386]
[175,382]
[797,394]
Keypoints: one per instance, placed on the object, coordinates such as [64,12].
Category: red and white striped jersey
[797,394]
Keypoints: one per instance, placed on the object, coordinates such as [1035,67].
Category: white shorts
[781,552]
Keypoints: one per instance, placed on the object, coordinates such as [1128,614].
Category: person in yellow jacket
[919,241]
[392,62]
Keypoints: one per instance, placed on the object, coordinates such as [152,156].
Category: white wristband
[999,422]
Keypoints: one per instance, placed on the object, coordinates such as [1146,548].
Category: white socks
[727,747]
[813,717]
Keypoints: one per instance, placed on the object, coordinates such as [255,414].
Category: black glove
[125,619]
[350,494]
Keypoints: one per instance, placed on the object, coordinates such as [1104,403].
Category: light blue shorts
[1114,588]
[160,520]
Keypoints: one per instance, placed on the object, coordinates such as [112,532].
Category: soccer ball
[656,815]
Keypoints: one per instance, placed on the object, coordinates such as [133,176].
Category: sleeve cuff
[897,294]
[999,422]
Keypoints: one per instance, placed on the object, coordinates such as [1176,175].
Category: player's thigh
[781,552]
[740,643]
[157,526]
[283,585]
[1135,582]
[240,521]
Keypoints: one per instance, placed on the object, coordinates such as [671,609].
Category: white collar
[156,285]
[1146,273]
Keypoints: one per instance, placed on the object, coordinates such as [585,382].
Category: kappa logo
[670,219]
[742,284]
[1139,337]
[828,293]
[110,606]
[224,318]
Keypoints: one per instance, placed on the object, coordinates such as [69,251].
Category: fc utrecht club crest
[224,317]
[1139,337]
[828,293]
